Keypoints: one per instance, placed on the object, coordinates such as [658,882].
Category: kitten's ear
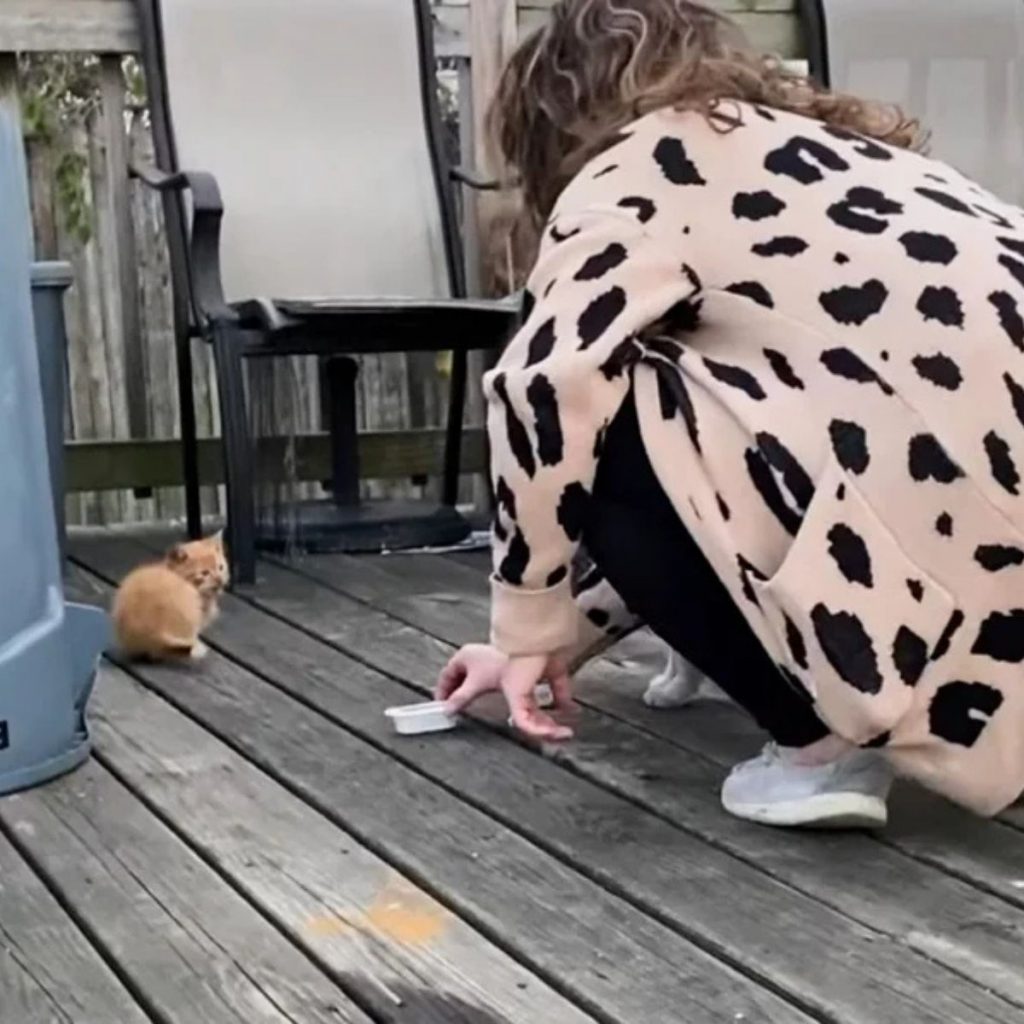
[218,538]
[177,555]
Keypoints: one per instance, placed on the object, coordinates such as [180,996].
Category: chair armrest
[203,256]
[473,179]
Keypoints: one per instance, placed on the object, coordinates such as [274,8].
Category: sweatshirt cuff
[525,622]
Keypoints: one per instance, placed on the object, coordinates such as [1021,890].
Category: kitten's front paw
[198,652]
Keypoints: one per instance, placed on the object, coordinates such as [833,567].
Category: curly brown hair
[599,64]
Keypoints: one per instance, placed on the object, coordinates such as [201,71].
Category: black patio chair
[311,128]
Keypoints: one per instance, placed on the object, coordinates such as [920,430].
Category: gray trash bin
[50,280]
[48,649]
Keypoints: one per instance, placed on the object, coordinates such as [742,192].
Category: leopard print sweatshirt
[825,339]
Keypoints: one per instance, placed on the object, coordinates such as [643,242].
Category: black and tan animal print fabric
[826,341]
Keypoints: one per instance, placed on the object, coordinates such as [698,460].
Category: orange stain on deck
[405,914]
[399,912]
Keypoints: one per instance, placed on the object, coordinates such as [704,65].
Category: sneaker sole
[825,811]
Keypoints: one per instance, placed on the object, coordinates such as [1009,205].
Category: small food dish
[411,719]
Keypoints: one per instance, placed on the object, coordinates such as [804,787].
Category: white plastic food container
[411,719]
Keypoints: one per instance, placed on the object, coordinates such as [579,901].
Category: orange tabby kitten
[160,609]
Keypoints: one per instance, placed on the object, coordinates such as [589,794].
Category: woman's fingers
[520,684]
[533,722]
[474,684]
[561,687]
[451,678]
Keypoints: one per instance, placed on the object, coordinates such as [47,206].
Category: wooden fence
[123,463]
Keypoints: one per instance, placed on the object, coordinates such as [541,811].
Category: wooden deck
[252,845]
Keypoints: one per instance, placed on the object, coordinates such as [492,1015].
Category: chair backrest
[319,120]
[958,65]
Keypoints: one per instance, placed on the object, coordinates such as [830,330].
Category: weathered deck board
[604,951]
[49,973]
[856,874]
[196,949]
[403,954]
[508,780]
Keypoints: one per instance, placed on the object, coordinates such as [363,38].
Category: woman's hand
[475,670]
[479,669]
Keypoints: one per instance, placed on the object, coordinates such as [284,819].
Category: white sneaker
[772,789]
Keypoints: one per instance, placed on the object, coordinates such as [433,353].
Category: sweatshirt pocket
[857,619]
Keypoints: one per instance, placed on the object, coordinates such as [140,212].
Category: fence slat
[125,301]
[109,385]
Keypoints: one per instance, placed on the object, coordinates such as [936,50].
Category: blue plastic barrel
[48,649]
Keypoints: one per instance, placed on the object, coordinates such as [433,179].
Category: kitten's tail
[168,648]
[179,650]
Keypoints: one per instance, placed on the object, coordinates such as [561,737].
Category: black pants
[637,540]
